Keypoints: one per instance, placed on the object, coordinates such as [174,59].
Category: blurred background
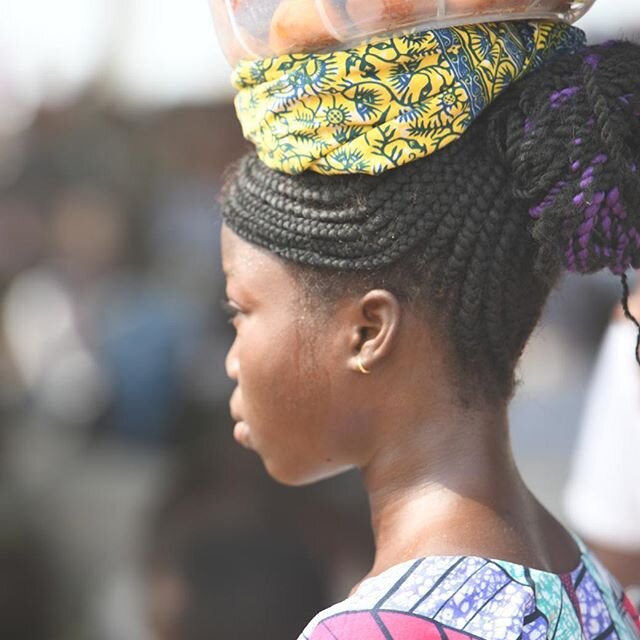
[126,509]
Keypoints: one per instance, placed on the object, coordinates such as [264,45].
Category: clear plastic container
[260,28]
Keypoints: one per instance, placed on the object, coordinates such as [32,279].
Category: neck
[449,487]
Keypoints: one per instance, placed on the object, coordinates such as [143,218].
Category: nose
[231,362]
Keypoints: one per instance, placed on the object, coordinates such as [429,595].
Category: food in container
[260,28]
[306,25]
[235,40]
[375,15]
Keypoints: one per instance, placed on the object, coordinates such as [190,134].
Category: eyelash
[229,310]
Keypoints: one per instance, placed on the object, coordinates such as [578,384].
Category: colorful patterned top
[464,597]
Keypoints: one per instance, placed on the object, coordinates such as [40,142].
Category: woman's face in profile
[291,402]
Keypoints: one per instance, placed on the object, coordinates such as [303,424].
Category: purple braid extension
[537,211]
[628,314]
[558,98]
[577,163]
[603,216]
[593,60]
[626,100]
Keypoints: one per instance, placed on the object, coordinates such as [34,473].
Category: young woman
[380,317]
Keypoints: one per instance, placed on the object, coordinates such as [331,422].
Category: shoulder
[443,597]
[472,598]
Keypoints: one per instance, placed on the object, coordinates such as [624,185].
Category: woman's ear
[375,329]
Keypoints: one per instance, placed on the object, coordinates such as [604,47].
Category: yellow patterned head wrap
[389,101]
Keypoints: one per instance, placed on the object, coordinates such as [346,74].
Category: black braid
[477,234]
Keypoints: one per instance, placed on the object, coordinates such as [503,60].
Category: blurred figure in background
[183,230]
[52,311]
[87,334]
[222,561]
[602,498]
[96,354]
[27,588]
[207,582]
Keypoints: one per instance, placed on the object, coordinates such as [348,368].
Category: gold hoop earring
[361,366]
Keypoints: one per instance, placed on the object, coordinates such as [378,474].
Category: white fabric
[602,499]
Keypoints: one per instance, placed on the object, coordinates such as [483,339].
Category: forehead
[252,267]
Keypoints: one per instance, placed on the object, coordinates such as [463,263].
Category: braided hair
[477,234]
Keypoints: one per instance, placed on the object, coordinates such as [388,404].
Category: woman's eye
[230,311]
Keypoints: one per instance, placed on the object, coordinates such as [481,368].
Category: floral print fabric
[462,598]
[389,101]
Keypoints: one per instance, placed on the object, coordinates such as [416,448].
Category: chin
[301,477]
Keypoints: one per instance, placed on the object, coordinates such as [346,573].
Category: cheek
[289,403]
[299,402]
[271,373]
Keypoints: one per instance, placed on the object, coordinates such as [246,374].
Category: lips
[236,417]
[241,430]
[233,407]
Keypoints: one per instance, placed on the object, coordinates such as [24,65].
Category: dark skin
[441,478]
